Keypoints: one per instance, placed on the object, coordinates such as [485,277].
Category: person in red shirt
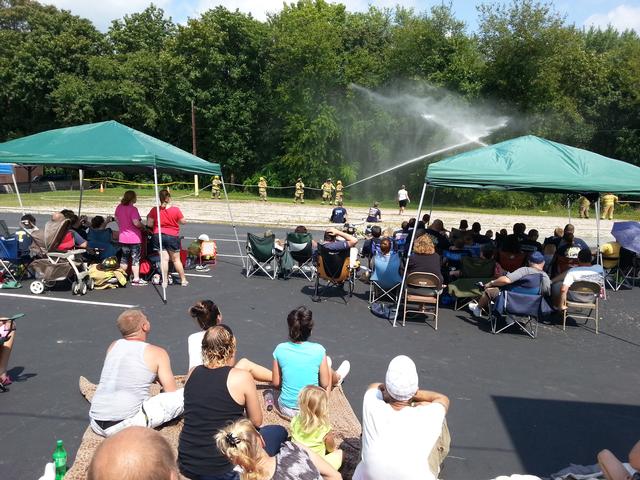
[170,220]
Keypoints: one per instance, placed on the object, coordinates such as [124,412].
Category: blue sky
[622,14]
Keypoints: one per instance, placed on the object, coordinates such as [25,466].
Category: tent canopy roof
[534,164]
[104,145]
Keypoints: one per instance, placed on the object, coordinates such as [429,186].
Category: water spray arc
[417,159]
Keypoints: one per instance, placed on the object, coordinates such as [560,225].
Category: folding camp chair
[610,263]
[261,252]
[511,261]
[582,296]
[333,266]
[423,289]
[9,259]
[628,269]
[300,246]
[474,270]
[520,304]
[385,279]
[454,258]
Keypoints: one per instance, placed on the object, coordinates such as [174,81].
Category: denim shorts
[131,250]
[170,243]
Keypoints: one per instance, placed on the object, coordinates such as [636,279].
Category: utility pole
[193,146]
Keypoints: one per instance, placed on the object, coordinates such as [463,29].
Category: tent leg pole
[164,280]
[433,201]
[406,263]
[569,208]
[598,255]
[233,224]
[81,179]
[15,185]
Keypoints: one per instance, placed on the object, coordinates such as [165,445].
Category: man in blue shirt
[336,240]
[339,214]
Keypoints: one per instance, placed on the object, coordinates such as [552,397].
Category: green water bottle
[60,460]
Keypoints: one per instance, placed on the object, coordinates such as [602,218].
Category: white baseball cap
[401,380]
[204,237]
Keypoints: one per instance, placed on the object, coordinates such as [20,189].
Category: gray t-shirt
[524,271]
[294,463]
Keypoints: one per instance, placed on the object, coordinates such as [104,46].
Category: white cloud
[102,12]
[622,17]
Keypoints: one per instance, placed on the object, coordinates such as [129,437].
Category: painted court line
[66,300]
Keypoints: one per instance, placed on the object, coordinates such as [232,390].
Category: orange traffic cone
[102,188]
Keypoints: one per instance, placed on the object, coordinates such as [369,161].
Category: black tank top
[208,406]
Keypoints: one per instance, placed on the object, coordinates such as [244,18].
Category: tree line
[276,98]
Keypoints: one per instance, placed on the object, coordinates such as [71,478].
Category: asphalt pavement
[518,405]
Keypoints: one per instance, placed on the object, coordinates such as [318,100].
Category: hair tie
[232,439]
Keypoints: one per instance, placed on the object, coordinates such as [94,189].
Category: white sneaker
[475,309]
[343,371]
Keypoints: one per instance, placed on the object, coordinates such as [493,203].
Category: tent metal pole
[15,185]
[433,201]
[598,255]
[81,179]
[233,224]
[569,208]
[406,263]
[164,280]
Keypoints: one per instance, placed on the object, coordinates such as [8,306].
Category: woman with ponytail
[243,445]
[170,220]
[206,315]
[215,394]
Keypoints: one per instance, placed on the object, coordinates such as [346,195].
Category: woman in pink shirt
[170,220]
[130,236]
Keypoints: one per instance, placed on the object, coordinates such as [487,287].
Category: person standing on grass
[403,199]
[170,220]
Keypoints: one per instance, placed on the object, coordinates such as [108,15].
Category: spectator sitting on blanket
[130,367]
[207,314]
[299,362]
[536,267]
[400,426]
[613,469]
[215,394]
[583,272]
[134,453]
[244,446]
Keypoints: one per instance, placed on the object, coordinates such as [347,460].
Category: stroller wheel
[36,287]
[91,283]
[75,288]
[83,288]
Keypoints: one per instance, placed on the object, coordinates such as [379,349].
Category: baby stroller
[52,264]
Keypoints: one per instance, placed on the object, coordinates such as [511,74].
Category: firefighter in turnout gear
[299,195]
[339,191]
[216,184]
[262,189]
[327,191]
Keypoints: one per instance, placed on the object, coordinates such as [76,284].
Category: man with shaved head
[135,453]
[130,367]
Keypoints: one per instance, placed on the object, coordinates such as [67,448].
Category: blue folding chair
[521,304]
[385,279]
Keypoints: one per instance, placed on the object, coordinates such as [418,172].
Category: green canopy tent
[108,145]
[532,164]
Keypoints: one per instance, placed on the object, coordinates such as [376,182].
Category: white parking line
[198,275]
[66,300]
[232,256]
[215,239]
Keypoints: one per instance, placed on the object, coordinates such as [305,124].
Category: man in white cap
[400,426]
